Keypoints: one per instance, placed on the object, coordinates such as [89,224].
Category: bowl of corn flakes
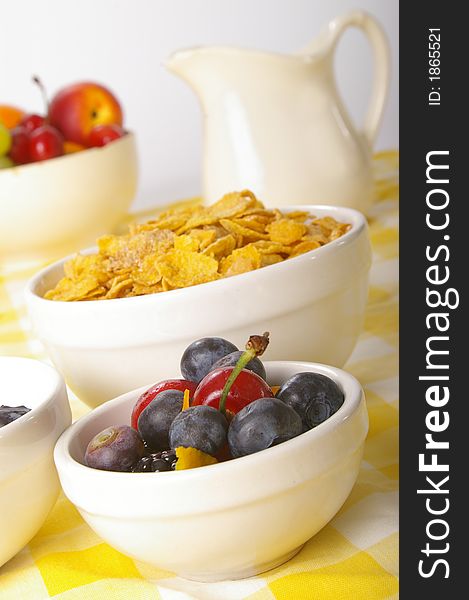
[119,315]
[53,207]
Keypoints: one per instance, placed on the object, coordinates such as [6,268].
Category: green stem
[255,346]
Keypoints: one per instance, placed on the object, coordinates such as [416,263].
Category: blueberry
[261,424]
[255,365]
[155,419]
[8,414]
[116,448]
[199,357]
[202,427]
[315,397]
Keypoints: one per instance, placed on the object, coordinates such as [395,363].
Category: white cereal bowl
[29,485]
[313,306]
[225,521]
[57,206]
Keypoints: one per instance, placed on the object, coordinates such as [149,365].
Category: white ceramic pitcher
[275,124]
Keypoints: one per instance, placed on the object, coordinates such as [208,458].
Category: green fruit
[5,140]
[6,162]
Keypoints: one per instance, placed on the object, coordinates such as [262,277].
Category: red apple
[76,109]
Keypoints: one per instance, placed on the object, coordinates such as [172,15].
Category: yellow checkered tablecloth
[354,557]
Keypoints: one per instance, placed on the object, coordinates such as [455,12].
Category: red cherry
[45,142]
[19,151]
[103,134]
[32,122]
[246,388]
[147,396]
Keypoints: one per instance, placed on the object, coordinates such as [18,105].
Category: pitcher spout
[210,68]
[191,65]
[182,61]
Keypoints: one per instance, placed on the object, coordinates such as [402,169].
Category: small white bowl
[225,521]
[57,206]
[29,485]
[313,306]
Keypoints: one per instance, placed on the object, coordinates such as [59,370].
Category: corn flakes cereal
[268,247]
[241,230]
[286,231]
[230,205]
[221,247]
[204,236]
[186,242]
[270,259]
[182,268]
[241,260]
[191,244]
[148,273]
[305,246]
[119,285]
[256,222]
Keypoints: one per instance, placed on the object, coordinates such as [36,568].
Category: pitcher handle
[382,63]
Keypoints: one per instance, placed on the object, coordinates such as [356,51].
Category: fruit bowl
[224,521]
[57,206]
[29,485]
[313,305]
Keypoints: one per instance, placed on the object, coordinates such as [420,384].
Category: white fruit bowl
[57,206]
[29,485]
[313,306]
[224,521]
